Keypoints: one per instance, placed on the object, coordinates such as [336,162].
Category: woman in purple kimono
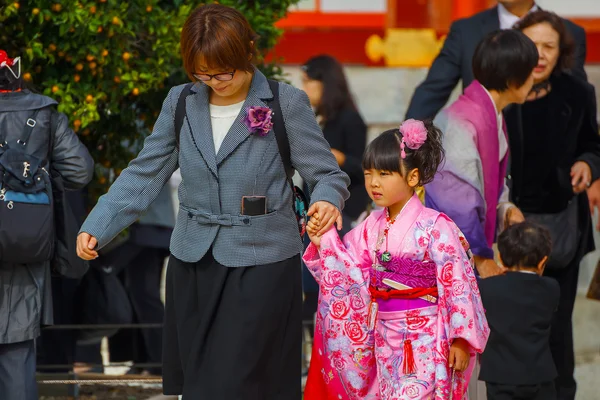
[470,187]
[399,314]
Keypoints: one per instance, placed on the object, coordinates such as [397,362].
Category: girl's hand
[459,355]
[513,216]
[86,244]
[312,228]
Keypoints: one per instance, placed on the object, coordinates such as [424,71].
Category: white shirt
[502,143]
[508,20]
[221,119]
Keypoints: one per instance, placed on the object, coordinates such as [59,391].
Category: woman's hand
[459,355]
[312,228]
[488,267]
[86,244]
[581,176]
[339,157]
[328,215]
[513,216]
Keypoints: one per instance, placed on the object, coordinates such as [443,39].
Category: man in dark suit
[517,362]
[454,61]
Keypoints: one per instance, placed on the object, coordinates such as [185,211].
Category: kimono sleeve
[354,250]
[460,304]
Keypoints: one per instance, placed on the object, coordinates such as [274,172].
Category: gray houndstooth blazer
[213,184]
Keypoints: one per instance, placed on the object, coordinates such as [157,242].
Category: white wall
[343,5]
[572,8]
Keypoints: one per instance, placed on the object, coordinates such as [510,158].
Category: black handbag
[565,233]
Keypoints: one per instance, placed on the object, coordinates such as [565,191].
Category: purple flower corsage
[258,120]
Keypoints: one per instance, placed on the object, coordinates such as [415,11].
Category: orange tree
[110,63]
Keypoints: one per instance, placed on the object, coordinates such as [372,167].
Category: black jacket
[454,61]
[347,133]
[572,134]
[25,295]
[519,309]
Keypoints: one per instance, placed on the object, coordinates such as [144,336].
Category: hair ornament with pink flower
[414,134]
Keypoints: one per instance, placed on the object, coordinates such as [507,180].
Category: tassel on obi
[408,364]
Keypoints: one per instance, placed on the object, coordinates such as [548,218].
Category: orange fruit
[77,123]
[149,9]
[106,164]
[79,66]
[89,98]
[102,180]
[35,11]
[93,9]
[55,89]
[86,131]
[61,53]
[52,47]
[27,77]
[93,65]
[47,18]
[57,7]
[99,29]
[135,91]
[117,79]
[104,53]
[76,78]
[126,56]
[89,57]
[17,5]
[116,21]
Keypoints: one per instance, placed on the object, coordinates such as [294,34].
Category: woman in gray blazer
[233,311]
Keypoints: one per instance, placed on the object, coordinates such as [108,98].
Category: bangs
[383,153]
[222,52]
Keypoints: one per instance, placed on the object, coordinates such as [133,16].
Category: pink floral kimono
[363,346]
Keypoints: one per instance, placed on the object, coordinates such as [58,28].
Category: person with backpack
[37,150]
[232,325]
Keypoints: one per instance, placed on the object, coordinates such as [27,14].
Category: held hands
[488,267]
[86,244]
[513,216]
[328,215]
[312,228]
[339,157]
[459,355]
[581,176]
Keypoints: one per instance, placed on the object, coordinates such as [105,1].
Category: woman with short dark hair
[233,305]
[555,151]
[470,187]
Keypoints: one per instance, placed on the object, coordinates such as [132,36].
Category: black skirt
[233,333]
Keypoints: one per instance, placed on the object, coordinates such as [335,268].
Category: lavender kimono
[470,185]
[358,353]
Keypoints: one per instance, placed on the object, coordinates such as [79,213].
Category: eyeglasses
[224,76]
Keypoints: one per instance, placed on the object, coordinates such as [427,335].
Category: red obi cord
[413,293]
[10,91]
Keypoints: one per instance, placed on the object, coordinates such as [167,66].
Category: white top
[502,143]
[508,20]
[221,119]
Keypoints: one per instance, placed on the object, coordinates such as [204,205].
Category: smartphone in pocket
[254,205]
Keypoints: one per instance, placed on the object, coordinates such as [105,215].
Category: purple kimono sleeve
[464,204]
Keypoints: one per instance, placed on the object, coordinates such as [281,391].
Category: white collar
[508,20]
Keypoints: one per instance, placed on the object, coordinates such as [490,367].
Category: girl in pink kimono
[399,315]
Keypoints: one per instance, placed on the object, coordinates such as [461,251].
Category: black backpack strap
[180,110]
[29,125]
[280,133]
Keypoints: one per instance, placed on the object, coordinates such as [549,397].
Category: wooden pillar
[408,14]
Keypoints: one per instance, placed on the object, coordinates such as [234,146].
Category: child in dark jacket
[517,363]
